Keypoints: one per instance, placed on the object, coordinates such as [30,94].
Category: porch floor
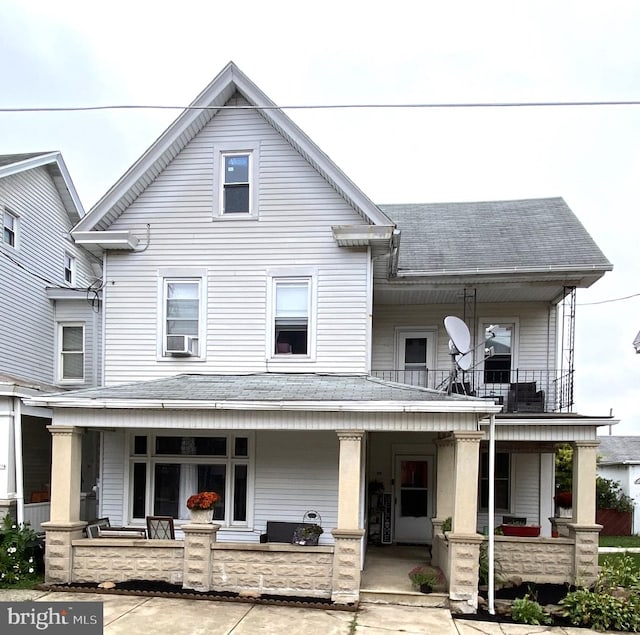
[385,578]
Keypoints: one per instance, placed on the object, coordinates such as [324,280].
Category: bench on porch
[281,531]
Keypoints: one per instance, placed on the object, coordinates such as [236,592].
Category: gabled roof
[636,343]
[191,122]
[53,161]
[270,391]
[526,236]
[619,450]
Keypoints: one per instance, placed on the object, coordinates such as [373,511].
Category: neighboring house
[50,323]
[619,460]
[275,336]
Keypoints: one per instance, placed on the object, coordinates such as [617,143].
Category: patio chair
[93,528]
[160,528]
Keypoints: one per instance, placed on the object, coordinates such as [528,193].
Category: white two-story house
[273,335]
[50,324]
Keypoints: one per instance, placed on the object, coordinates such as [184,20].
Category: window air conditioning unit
[182,345]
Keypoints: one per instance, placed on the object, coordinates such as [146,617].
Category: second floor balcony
[519,390]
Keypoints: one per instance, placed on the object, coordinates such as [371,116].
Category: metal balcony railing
[518,390]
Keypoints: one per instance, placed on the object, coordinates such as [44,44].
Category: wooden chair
[160,528]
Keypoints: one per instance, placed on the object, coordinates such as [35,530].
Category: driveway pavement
[130,615]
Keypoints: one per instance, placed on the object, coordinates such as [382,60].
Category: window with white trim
[71,355]
[167,469]
[182,305]
[502,481]
[69,268]
[292,300]
[236,180]
[9,228]
[501,342]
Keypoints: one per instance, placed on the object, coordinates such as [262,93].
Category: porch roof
[270,391]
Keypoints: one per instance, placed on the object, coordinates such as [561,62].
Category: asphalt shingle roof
[533,233]
[614,450]
[269,387]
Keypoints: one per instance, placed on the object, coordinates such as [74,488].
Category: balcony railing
[518,390]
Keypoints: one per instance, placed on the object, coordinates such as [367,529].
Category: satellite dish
[458,331]
[465,361]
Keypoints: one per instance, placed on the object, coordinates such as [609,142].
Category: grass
[619,541]
[611,557]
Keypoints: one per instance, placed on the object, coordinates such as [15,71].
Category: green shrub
[483,567]
[602,611]
[528,611]
[18,547]
[618,572]
[609,495]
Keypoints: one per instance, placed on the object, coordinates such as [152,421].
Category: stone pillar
[198,555]
[584,479]
[347,555]
[64,525]
[465,481]
[464,541]
[464,557]
[583,529]
[66,459]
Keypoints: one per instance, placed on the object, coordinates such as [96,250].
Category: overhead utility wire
[627,297]
[523,104]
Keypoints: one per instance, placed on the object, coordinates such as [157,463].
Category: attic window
[236,169]
[10,228]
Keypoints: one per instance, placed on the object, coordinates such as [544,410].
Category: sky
[78,53]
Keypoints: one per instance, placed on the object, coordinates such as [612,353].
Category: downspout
[104,317]
[491,519]
[17,449]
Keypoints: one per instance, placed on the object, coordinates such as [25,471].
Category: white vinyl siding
[297,210]
[112,481]
[28,335]
[297,472]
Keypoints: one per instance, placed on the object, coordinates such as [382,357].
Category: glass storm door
[413,494]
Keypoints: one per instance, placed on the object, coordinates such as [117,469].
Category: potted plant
[201,506]
[307,534]
[564,502]
[424,578]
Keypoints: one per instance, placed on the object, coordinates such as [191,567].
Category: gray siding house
[51,324]
[273,335]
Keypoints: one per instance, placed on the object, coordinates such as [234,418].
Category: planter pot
[564,512]
[201,516]
[426,588]
[522,531]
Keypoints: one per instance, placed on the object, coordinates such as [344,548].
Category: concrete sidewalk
[130,615]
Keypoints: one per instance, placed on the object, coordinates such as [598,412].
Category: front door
[413,492]
[415,356]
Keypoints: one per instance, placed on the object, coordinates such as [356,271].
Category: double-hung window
[9,228]
[236,181]
[501,480]
[71,356]
[69,268]
[167,469]
[182,309]
[291,316]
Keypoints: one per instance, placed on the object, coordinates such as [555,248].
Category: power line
[627,297]
[523,104]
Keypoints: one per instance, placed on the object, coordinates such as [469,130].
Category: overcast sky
[68,53]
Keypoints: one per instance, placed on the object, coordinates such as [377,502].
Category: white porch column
[464,541]
[347,536]
[7,463]
[64,525]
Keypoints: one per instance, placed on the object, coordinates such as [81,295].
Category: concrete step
[429,600]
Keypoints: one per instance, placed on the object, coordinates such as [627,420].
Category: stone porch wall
[277,569]
[120,559]
[273,569]
[535,559]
